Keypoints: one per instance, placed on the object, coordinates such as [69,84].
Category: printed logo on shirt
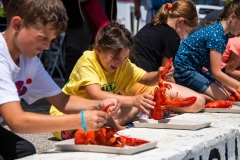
[21,88]
[109,87]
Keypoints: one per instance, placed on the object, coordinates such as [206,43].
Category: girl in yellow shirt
[106,70]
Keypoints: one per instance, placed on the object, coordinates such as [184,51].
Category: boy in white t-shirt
[31,25]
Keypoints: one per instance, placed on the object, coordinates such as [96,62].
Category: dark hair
[231,7]
[181,8]
[114,36]
[39,12]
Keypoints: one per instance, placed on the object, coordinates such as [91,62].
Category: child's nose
[46,45]
[119,63]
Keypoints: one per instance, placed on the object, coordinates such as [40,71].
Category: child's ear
[97,50]
[232,16]
[16,23]
[180,20]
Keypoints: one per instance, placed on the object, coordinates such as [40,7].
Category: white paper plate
[69,145]
[234,109]
[169,123]
[237,103]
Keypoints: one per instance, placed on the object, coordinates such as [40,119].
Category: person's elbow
[96,96]
[217,74]
[15,124]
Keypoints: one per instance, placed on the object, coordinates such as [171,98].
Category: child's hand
[169,74]
[231,90]
[111,106]
[111,123]
[95,119]
[144,102]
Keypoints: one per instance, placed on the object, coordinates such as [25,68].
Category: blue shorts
[197,81]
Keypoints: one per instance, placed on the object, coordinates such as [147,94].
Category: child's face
[234,25]
[182,28]
[109,61]
[33,40]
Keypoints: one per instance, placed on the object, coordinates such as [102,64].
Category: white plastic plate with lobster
[235,109]
[69,145]
[169,123]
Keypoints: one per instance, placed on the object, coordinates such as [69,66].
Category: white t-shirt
[29,80]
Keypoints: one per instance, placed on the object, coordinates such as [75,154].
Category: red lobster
[106,136]
[162,100]
[235,96]
[219,104]
[223,103]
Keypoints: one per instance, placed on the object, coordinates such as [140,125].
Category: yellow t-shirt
[88,71]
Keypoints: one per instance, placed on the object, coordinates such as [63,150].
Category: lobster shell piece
[219,104]
[107,137]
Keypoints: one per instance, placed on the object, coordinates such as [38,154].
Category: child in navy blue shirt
[204,49]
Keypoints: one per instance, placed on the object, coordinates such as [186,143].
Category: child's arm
[232,66]
[215,60]
[20,121]
[73,104]
[151,78]
[141,101]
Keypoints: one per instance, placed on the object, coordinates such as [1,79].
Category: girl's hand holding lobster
[111,107]
[169,74]
[144,102]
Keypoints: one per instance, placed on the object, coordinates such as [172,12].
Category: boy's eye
[42,38]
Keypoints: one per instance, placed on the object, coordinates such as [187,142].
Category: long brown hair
[180,8]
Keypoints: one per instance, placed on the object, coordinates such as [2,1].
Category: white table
[175,144]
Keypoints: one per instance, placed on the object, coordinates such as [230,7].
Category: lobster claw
[106,108]
[166,68]
[168,86]
[181,103]
[126,140]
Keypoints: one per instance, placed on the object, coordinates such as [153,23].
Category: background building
[125,12]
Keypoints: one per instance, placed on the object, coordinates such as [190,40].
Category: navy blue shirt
[194,51]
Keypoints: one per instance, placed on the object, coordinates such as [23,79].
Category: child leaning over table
[107,70]
[231,58]
[159,40]
[204,48]
[31,25]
